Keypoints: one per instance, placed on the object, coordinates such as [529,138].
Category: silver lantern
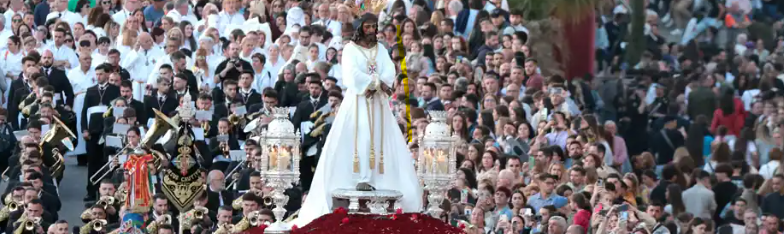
[436,164]
[280,158]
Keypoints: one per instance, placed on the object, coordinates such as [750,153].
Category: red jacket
[734,122]
[582,218]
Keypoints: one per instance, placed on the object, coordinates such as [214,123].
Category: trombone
[235,173]
[107,168]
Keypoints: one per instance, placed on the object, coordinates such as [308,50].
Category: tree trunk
[636,37]
[579,37]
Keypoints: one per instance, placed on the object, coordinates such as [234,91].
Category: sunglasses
[107,3]
[16,20]
[68,40]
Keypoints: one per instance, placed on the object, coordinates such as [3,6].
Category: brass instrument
[106,201]
[251,220]
[236,120]
[27,104]
[206,126]
[234,174]
[98,225]
[86,216]
[54,137]
[162,125]
[121,193]
[237,203]
[225,228]
[5,213]
[188,218]
[107,168]
[152,228]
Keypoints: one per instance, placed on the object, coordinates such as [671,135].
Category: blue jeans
[692,31]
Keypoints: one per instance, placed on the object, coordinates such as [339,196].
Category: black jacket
[153,102]
[62,86]
[94,97]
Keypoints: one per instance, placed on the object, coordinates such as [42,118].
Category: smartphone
[623,220]
[531,163]
[623,208]
[600,183]
[467,212]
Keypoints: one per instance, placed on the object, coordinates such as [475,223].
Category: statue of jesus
[365,148]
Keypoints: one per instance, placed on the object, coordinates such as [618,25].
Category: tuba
[59,134]
[98,226]
[162,125]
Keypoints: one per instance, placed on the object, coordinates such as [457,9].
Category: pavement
[72,191]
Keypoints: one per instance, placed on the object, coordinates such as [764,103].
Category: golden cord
[371,116]
[356,127]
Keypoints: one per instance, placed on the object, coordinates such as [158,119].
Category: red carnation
[394,217]
[294,228]
[345,220]
[398,211]
[341,210]
[414,216]
[462,226]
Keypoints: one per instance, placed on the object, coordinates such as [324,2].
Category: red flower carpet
[340,222]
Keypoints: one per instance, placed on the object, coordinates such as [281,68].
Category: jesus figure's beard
[371,39]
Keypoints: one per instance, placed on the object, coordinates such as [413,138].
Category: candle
[428,161]
[443,165]
[273,155]
[285,159]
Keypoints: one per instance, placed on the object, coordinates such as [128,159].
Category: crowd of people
[685,141]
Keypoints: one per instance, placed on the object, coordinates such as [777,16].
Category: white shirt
[11,62]
[67,16]
[121,16]
[177,17]
[225,19]
[274,67]
[139,63]
[65,53]
[263,80]
[769,169]
[249,58]
[333,26]
[99,58]
[4,35]
[81,80]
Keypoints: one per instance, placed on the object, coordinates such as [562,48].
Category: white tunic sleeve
[355,78]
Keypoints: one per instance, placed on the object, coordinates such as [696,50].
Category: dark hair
[676,199]
[581,201]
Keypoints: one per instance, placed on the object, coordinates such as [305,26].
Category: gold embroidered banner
[182,190]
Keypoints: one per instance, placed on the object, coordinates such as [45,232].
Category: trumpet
[98,225]
[254,218]
[268,201]
[5,213]
[106,201]
[206,126]
[167,219]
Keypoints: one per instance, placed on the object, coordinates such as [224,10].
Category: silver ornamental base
[436,187]
[280,182]
[377,201]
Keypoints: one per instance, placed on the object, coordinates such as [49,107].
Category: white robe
[140,63]
[80,82]
[335,168]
